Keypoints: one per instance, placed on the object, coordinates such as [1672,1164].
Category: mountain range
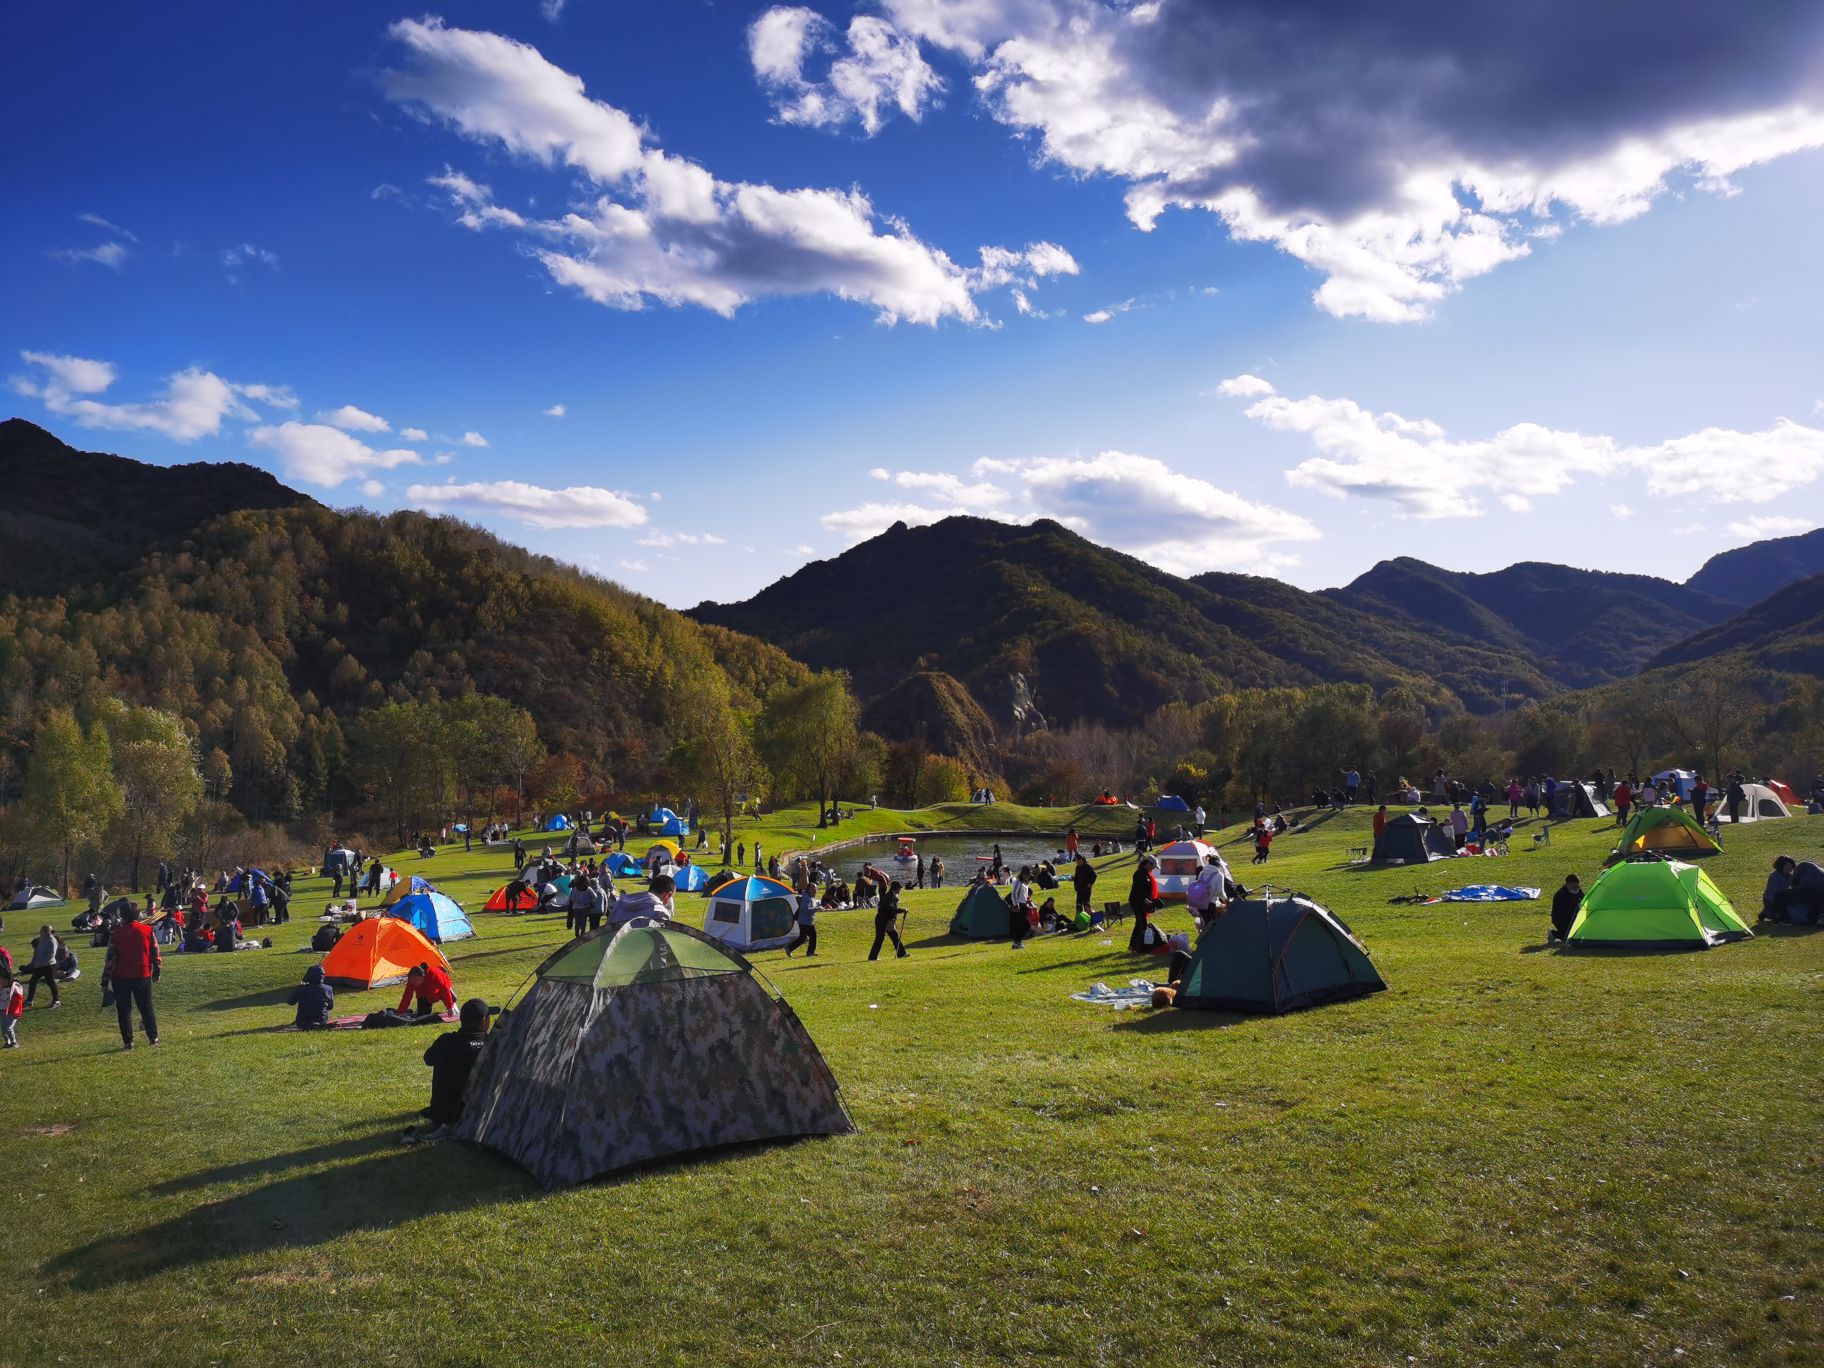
[1091,633]
[264,617]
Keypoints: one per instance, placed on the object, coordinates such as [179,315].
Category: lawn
[1513,1155]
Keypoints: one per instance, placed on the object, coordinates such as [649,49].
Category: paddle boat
[908,850]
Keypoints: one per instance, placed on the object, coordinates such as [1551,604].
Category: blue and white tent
[664,822]
[435,914]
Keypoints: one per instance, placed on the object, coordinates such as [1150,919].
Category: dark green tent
[1411,839]
[982,915]
[1274,955]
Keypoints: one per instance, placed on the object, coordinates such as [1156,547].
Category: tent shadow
[1112,957]
[266,997]
[369,1143]
[386,1186]
[1168,1019]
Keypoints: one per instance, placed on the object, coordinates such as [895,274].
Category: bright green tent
[1656,903]
[1276,955]
[982,915]
[1669,829]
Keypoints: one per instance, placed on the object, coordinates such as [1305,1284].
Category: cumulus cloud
[1769,525]
[534,505]
[352,419]
[871,71]
[322,455]
[473,439]
[556,411]
[660,228]
[194,404]
[1399,151]
[1171,519]
[414,434]
[372,488]
[1414,465]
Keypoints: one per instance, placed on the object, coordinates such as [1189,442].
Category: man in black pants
[1565,904]
[886,921]
[807,924]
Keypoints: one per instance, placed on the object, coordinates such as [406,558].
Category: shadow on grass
[1164,1020]
[360,1146]
[266,997]
[381,1186]
[1112,956]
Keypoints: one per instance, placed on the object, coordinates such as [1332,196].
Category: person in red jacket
[430,983]
[133,966]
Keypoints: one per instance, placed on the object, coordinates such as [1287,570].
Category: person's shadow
[380,1185]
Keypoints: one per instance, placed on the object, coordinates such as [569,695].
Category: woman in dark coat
[1142,901]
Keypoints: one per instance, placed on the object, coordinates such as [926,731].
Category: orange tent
[1783,791]
[378,951]
[525,901]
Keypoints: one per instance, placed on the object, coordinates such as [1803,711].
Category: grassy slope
[1510,1155]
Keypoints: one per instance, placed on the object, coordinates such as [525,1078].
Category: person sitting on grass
[430,984]
[451,1058]
[1565,903]
[314,1000]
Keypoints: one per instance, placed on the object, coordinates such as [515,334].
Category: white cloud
[322,455]
[476,202]
[352,419]
[637,566]
[238,258]
[1762,526]
[660,228]
[552,9]
[372,488]
[1107,314]
[880,70]
[1244,387]
[97,221]
[1620,512]
[194,404]
[534,505]
[473,439]
[1424,473]
[110,254]
[667,539]
[443,458]
[72,374]
[414,435]
[1397,152]
[556,411]
[273,396]
[1137,504]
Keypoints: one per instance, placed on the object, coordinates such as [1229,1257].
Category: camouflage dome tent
[644,1043]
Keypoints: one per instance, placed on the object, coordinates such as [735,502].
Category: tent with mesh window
[1276,954]
[1653,903]
[1668,830]
[752,913]
[644,1043]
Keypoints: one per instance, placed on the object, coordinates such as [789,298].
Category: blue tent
[664,822]
[558,823]
[1173,803]
[620,864]
[434,914]
[1490,893]
[690,879]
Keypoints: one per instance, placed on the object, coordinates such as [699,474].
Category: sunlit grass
[1512,1155]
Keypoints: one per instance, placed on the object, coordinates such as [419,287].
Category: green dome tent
[982,915]
[1652,903]
[1411,839]
[1668,830]
[642,1043]
[1276,955]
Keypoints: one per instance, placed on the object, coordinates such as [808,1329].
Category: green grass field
[1514,1155]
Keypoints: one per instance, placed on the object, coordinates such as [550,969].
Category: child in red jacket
[14,1008]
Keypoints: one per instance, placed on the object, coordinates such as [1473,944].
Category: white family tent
[751,913]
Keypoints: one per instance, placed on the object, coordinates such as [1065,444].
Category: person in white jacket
[653,902]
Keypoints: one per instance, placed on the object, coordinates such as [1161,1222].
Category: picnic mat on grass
[353,1023]
[1138,993]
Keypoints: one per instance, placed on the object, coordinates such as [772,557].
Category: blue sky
[1220,323]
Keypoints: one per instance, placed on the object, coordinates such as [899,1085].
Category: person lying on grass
[430,984]
[314,999]
[451,1058]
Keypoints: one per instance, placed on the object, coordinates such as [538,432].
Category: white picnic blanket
[1138,993]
